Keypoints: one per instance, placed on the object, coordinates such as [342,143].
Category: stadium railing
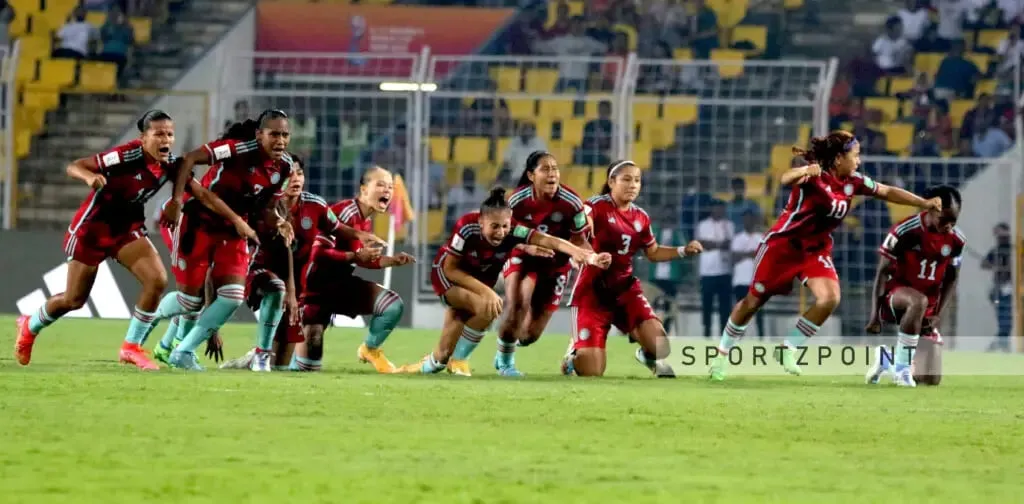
[8,159]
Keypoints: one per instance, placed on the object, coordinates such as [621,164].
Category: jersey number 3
[626,240]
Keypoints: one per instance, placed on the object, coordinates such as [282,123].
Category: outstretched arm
[580,255]
[659,253]
[877,291]
[86,170]
[904,197]
[172,210]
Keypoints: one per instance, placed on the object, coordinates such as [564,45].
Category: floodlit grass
[79,428]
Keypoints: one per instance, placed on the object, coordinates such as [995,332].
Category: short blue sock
[387,313]
[39,320]
[803,330]
[431,365]
[506,356]
[271,311]
[139,326]
[171,333]
[467,343]
[304,364]
[229,298]
[177,303]
[906,345]
[731,335]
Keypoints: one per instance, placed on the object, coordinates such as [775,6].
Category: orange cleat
[23,344]
[134,354]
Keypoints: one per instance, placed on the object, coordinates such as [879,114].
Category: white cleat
[904,378]
[262,362]
[243,362]
[882,365]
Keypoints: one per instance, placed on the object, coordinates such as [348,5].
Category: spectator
[303,132]
[661,78]
[696,204]
[704,30]
[487,116]
[353,138]
[891,50]
[521,146]
[118,39]
[864,72]
[6,16]
[75,37]
[915,20]
[995,140]
[964,149]
[715,233]
[1012,11]
[1010,51]
[572,73]
[528,26]
[864,133]
[953,15]
[740,204]
[941,126]
[999,261]
[922,97]
[743,249]
[924,145]
[597,138]
[241,109]
[671,18]
[98,5]
[464,198]
[957,75]
[983,113]
[393,155]
[562,21]
[600,27]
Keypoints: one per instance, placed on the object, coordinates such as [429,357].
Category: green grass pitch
[75,427]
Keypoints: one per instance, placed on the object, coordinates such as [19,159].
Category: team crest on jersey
[611,220]
[517,260]
[472,254]
[528,217]
[946,250]
[637,226]
[556,217]
[759,287]
[275,178]
[307,223]
[584,334]
[848,189]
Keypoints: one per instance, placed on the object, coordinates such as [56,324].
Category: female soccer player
[252,169]
[330,287]
[467,267]
[536,279]
[916,276]
[799,245]
[111,224]
[602,298]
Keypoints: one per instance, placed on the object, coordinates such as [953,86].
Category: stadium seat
[555,109]
[572,131]
[755,34]
[990,39]
[782,158]
[979,60]
[900,212]
[471,150]
[97,76]
[729,12]
[487,174]
[630,32]
[508,79]
[803,134]
[57,73]
[96,18]
[18,26]
[521,108]
[36,47]
[500,148]
[55,15]
[598,177]
[645,111]
[958,109]
[792,4]
[987,86]
[757,184]
[680,113]
[898,136]
[641,155]
[143,27]
[730,62]
[25,6]
[27,70]
[900,85]
[440,149]
[658,134]
[22,144]
[928,62]
[541,80]
[682,54]
[30,118]
[435,225]
[40,99]
[576,8]
[889,107]
[543,128]
[577,178]
[563,151]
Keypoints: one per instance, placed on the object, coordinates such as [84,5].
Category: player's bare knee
[530,336]
[156,284]
[917,307]
[828,301]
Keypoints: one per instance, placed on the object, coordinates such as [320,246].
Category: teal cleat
[507,367]
[718,366]
[185,360]
[787,357]
[162,354]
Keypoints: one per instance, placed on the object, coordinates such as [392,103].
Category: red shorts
[350,296]
[549,283]
[93,242]
[594,314]
[194,251]
[441,284]
[779,262]
[890,315]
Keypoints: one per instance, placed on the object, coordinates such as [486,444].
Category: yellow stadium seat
[928,62]
[987,86]
[521,108]
[541,80]
[575,9]
[792,4]
[645,111]
[27,69]
[500,148]
[40,99]
[453,175]
[18,25]
[680,113]
[22,144]
[57,73]
[782,158]
[591,107]
[990,38]
[898,136]
[630,32]
[563,151]
[471,150]
[36,47]
[508,79]
[543,129]
[555,109]
[56,14]
[729,12]
[803,134]
[30,118]
[682,54]
[757,184]
[572,131]
[96,18]
[755,34]
[900,85]
[658,134]
[25,6]
[96,76]
[435,225]
[143,27]
[888,106]
[730,62]
[597,179]
[958,109]
[440,149]
[577,178]
[900,212]
[642,155]
[979,60]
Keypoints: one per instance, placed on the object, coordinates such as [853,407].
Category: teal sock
[304,364]
[731,335]
[229,298]
[167,341]
[139,326]
[798,336]
[467,343]
[177,303]
[506,356]
[271,311]
[39,320]
[431,365]
[387,313]
[906,344]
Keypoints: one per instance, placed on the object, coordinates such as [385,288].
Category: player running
[252,168]
[535,280]
[799,245]
[602,298]
[916,276]
[467,267]
[330,287]
[110,223]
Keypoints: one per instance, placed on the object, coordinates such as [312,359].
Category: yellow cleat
[376,357]
[459,367]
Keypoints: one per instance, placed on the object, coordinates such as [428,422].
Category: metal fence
[8,147]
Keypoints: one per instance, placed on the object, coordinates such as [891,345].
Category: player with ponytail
[799,245]
[465,270]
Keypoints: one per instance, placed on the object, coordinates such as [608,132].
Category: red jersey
[818,206]
[348,213]
[131,181]
[310,217]
[621,233]
[244,177]
[476,255]
[921,256]
[561,217]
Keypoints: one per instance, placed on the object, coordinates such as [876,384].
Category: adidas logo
[106,298]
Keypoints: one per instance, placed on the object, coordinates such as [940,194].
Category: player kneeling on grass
[916,276]
[330,288]
[464,273]
[601,297]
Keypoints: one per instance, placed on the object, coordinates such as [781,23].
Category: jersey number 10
[839,209]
